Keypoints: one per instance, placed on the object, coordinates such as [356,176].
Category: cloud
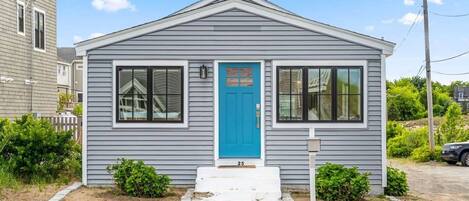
[370,28]
[113,5]
[439,2]
[388,21]
[77,39]
[95,35]
[409,18]
[409,2]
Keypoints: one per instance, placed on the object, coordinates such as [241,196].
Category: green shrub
[78,110]
[403,102]
[403,145]
[452,128]
[35,150]
[136,179]
[397,182]
[394,129]
[336,182]
[7,179]
[423,154]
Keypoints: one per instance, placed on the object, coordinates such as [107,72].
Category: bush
[397,182]
[136,179]
[394,129]
[78,110]
[403,145]
[35,150]
[452,128]
[423,154]
[403,103]
[336,182]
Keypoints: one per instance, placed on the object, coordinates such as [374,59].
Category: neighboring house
[223,82]
[461,96]
[28,58]
[70,73]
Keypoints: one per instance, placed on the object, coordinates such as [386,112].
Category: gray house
[70,73]
[28,58]
[461,96]
[223,83]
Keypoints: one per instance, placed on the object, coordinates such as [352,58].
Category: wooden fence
[68,123]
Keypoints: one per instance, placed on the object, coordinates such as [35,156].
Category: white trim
[218,161]
[203,3]
[383,121]
[85,122]
[84,46]
[183,63]
[36,9]
[18,2]
[363,63]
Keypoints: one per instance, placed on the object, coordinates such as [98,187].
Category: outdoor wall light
[203,72]
[6,79]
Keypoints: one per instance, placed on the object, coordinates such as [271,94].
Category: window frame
[182,64]
[334,94]
[149,94]
[324,124]
[18,4]
[33,16]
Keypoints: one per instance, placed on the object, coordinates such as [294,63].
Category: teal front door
[239,110]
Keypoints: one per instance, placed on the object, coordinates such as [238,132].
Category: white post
[312,176]
[314,145]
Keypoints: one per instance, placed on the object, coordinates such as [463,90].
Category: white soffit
[84,46]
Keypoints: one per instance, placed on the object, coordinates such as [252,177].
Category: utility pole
[429,77]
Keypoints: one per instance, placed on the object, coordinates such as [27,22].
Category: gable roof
[259,7]
[203,3]
[66,54]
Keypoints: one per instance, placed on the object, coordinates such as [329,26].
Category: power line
[409,31]
[447,15]
[466,73]
[451,58]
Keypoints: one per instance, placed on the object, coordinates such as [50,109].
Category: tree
[64,100]
[452,128]
[403,102]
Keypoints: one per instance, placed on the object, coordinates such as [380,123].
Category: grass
[7,179]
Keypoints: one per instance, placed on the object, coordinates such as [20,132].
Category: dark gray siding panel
[228,36]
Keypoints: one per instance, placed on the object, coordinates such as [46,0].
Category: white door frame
[218,161]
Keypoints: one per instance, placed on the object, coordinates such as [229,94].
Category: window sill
[40,50]
[332,125]
[150,125]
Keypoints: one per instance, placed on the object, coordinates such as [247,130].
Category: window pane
[296,107]
[342,81]
[355,81]
[159,81]
[313,80]
[325,104]
[140,81]
[125,81]
[125,107]
[232,82]
[174,107]
[246,82]
[313,106]
[140,107]
[159,107]
[284,107]
[342,107]
[284,81]
[246,72]
[326,81]
[232,72]
[296,81]
[355,107]
[174,81]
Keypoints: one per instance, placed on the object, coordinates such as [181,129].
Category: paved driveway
[436,181]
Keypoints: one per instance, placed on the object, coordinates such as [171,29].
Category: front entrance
[239,110]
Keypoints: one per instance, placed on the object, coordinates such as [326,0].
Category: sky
[389,19]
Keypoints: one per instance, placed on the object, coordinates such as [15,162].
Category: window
[39,30]
[20,15]
[319,94]
[150,94]
[80,97]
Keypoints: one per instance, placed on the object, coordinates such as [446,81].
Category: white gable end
[201,12]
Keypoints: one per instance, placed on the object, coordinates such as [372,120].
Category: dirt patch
[30,192]
[304,196]
[435,181]
[424,122]
[108,194]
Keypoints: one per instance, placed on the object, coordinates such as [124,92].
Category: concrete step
[238,184]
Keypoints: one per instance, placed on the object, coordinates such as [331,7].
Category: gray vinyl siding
[19,61]
[229,35]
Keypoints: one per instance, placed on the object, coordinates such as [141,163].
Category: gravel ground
[435,181]
[110,194]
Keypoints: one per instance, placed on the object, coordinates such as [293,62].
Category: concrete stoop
[238,184]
